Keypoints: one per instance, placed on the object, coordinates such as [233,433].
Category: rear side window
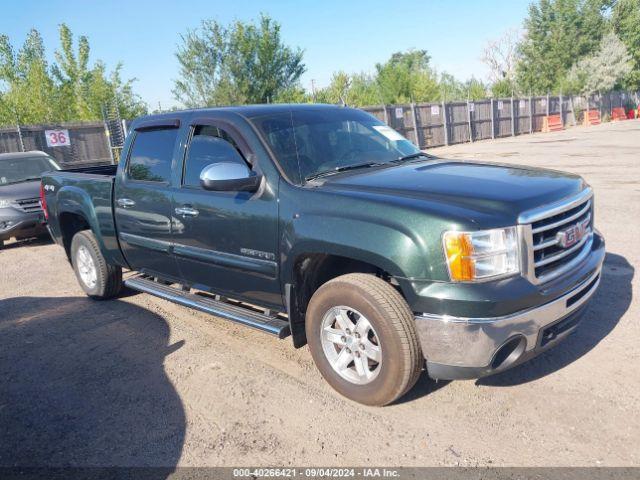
[208,145]
[151,155]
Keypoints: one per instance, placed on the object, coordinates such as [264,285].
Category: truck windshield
[23,169]
[313,142]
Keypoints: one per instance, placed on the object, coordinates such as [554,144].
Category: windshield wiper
[412,156]
[342,169]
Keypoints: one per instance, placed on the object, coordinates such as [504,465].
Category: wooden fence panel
[430,124]
[481,119]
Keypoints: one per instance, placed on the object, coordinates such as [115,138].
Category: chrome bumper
[470,344]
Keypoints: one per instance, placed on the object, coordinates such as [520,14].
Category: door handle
[187,211]
[125,203]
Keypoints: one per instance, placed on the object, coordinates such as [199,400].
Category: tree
[33,92]
[626,24]
[502,88]
[236,64]
[603,70]
[476,89]
[29,89]
[407,77]
[84,90]
[557,33]
[364,91]
[338,90]
[501,56]
[357,90]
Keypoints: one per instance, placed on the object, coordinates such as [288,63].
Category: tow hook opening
[509,352]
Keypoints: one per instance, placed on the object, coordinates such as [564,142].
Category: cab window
[151,155]
[209,144]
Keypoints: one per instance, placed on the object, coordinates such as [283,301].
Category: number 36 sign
[57,138]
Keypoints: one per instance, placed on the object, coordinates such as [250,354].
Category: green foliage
[293,94]
[558,32]
[33,92]
[237,64]
[625,19]
[338,90]
[475,89]
[406,77]
[603,70]
[29,89]
[502,88]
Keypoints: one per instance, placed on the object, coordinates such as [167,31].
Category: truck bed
[108,170]
[87,194]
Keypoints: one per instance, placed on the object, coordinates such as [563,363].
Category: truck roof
[250,110]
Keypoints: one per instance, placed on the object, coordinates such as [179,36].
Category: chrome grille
[548,256]
[29,204]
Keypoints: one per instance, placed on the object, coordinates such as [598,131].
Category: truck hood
[18,191]
[474,190]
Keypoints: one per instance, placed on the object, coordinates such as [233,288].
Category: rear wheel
[362,337]
[97,278]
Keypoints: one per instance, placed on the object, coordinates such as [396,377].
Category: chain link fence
[438,124]
[71,144]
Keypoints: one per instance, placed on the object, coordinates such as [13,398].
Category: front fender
[385,244]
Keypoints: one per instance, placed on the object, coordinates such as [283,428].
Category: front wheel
[99,279]
[362,337]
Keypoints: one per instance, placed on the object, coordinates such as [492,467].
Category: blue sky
[336,35]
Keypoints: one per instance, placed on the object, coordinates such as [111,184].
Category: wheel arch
[311,269]
[76,211]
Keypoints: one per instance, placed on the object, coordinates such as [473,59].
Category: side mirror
[229,177]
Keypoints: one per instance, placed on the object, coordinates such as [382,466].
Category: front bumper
[460,347]
[21,225]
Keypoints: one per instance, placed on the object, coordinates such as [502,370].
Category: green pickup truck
[322,223]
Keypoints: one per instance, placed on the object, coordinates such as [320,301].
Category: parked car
[323,223]
[20,212]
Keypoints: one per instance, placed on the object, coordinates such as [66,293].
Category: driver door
[225,241]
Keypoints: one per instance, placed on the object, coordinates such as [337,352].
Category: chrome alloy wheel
[351,345]
[86,267]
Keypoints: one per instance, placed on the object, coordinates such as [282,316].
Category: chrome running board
[236,313]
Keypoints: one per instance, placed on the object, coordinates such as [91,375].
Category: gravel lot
[140,381]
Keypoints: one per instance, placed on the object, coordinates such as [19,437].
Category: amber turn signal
[458,248]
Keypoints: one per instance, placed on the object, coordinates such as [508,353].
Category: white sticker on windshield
[388,132]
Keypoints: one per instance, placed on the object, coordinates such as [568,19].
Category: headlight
[481,255]
[5,203]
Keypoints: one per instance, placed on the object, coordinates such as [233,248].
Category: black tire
[108,277]
[394,325]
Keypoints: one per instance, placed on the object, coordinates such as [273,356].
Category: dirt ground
[140,381]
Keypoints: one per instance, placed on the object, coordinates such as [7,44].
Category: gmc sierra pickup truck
[322,223]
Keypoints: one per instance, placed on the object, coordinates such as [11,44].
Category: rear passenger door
[226,242]
[143,199]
